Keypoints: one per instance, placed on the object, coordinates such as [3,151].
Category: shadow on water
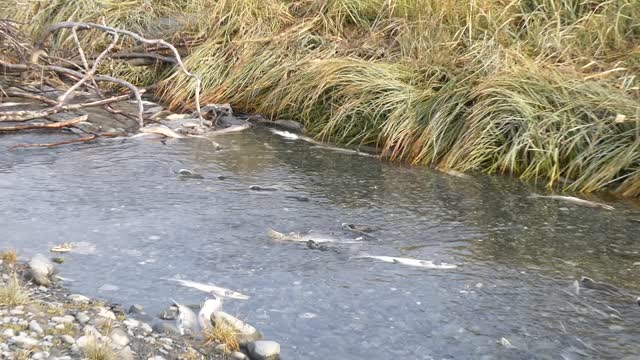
[518,257]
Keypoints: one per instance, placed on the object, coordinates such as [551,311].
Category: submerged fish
[210,288]
[293,236]
[408,261]
[189,174]
[573,200]
[589,283]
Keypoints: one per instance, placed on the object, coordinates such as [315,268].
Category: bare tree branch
[87,26]
[56,125]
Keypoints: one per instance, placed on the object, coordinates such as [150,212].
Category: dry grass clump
[99,350]
[9,257]
[13,293]
[222,333]
[539,89]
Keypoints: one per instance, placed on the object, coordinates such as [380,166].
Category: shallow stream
[512,295]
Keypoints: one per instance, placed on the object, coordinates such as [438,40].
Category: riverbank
[50,322]
[543,91]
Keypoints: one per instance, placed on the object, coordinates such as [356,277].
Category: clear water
[518,257]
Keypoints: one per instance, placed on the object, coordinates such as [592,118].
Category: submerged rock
[264,350]
[189,174]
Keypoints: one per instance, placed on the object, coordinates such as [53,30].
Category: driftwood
[56,125]
[75,26]
[83,73]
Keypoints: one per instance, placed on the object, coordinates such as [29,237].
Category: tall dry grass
[539,89]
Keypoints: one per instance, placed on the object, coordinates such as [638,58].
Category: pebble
[237,355]
[16,311]
[68,319]
[146,328]
[221,348]
[131,323]
[34,326]
[91,331]
[82,317]
[24,341]
[59,327]
[156,358]
[264,350]
[119,337]
[40,355]
[82,342]
[68,339]
[106,314]
[75,349]
[9,333]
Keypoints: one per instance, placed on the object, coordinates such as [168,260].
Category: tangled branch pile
[540,89]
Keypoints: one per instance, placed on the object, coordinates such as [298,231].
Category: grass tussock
[539,89]
[222,333]
[13,293]
[9,257]
[99,350]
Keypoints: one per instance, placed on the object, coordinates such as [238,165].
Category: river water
[511,297]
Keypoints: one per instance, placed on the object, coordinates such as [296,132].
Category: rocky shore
[50,322]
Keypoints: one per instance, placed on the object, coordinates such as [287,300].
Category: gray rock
[106,313]
[34,326]
[264,350]
[75,349]
[16,311]
[164,327]
[82,317]
[68,339]
[77,298]
[126,354]
[157,357]
[119,337]
[131,323]
[136,309]
[246,333]
[9,333]
[41,269]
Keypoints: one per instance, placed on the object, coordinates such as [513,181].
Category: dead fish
[189,174]
[162,130]
[212,289]
[589,283]
[410,262]
[572,200]
[230,129]
[506,343]
[286,134]
[261,188]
